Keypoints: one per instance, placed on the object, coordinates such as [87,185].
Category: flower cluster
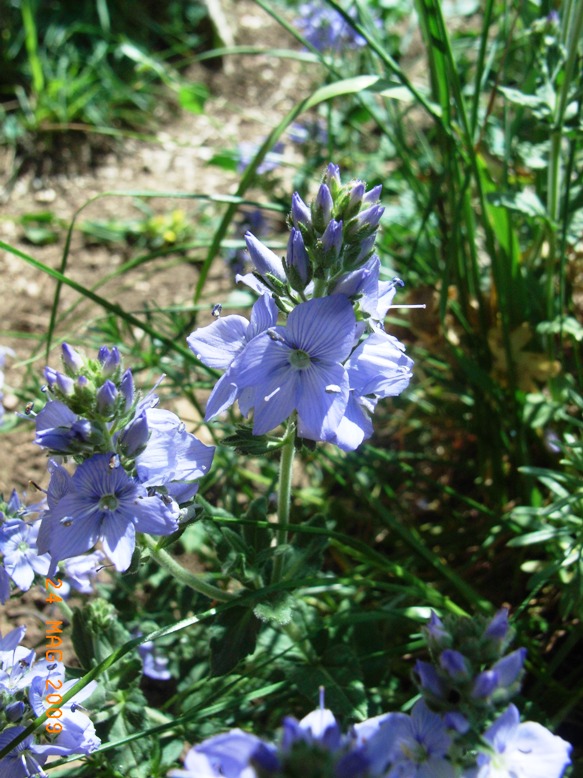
[393,745]
[137,467]
[432,741]
[325,29]
[28,689]
[471,674]
[331,361]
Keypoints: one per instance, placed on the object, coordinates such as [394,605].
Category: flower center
[23,546]
[299,359]
[108,502]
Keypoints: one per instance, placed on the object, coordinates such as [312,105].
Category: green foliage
[67,65]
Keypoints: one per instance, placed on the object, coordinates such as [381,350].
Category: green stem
[191,580]
[320,286]
[286,468]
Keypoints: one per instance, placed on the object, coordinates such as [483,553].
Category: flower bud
[332,242]
[509,668]
[331,178]
[105,398]
[298,262]
[110,360]
[373,195]
[65,384]
[265,261]
[51,376]
[428,680]
[134,437]
[497,629]
[126,387]
[72,360]
[437,635]
[455,664]
[322,208]
[300,213]
[366,223]
[485,684]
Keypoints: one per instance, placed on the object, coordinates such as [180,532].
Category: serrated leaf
[233,637]
[245,442]
[278,608]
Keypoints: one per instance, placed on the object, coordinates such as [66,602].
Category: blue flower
[61,430]
[220,343]
[21,558]
[102,502]
[79,572]
[526,749]
[377,368]
[271,161]
[173,458]
[25,759]
[299,368]
[414,746]
[78,733]
[325,28]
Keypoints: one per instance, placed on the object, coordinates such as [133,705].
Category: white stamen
[268,397]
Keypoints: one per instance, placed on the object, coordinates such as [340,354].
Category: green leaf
[233,637]
[278,608]
[245,442]
[192,97]
[525,202]
[226,160]
[537,103]
[562,326]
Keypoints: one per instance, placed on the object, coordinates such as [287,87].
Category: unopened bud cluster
[472,674]
[336,234]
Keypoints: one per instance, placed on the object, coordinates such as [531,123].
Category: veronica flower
[220,343]
[172,458]
[230,753]
[271,161]
[155,664]
[25,760]
[377,368]
[102,502]
[414,746]
[78,733]
[21,558]
[61,430]
[324,28]
[79,571]
[526,750]
[299,368]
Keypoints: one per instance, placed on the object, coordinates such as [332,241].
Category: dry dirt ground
[248,96]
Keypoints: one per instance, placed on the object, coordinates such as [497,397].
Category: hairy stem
[286,467]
